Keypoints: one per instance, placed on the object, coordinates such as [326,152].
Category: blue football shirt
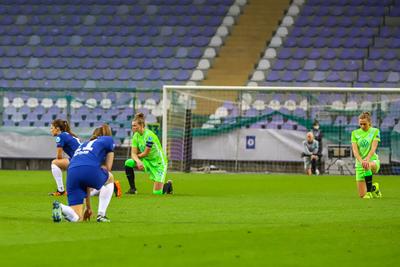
[93,153]
[68,143]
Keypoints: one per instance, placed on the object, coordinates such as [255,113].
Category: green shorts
[156,169]
[360,172]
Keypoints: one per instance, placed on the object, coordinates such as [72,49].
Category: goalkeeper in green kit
[364,142]
[147,155]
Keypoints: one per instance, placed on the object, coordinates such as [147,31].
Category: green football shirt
[149,139]
[364,139]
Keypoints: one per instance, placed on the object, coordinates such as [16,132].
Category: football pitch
[211,220]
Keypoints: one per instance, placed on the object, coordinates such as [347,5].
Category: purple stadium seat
[124,75]
[390,54]
[319,76]
[294,65]
[88,63]
[333,77]
[324,65]
[364,77]
[273,76]
[132,64]
[67,74]
[303,76]
[320,42]
[348,76]
[279,65]
[139,75]
[352,65]
[288,76]
[23,51]
[284,53]
[338,65]
[379,77]
[299,54]
[314,54]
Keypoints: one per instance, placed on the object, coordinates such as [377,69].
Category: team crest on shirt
[364,143]
[58,139]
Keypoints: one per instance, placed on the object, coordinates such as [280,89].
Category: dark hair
[315,123]
[139,118]
[63,126]
[103,130]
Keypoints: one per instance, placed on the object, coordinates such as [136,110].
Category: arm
[374,146]
[145,152]
[88,209]
[356,153]
[135,157]
[109,161]
[59,154]
[306,151]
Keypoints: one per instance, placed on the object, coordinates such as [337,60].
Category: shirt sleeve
[134,141]
[59,141]
[306,151]
[149,141]
[111,144]
[377,135]
[353,137]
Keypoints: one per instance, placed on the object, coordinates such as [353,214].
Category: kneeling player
[85,172]
[364,143]
[148,155]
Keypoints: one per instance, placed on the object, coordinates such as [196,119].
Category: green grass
[212,220]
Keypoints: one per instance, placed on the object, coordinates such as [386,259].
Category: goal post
[262,129]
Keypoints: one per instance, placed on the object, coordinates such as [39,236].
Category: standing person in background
[147,155]
[318,135]
[310,153]
[66,142]
[364,142]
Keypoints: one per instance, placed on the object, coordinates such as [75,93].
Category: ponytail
[63,126]
[139,119]
[103,130]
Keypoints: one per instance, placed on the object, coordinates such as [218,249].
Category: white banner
[251,145]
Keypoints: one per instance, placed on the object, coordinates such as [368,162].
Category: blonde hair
[365,116]
[103,130]
[139,119]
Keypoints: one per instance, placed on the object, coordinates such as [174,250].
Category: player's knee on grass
[158,192]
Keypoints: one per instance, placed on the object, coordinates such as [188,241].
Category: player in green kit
[364,142]
[148,155]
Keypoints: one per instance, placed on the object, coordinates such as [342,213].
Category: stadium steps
[243,47]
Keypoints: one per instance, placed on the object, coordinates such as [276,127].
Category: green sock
[158,192]
[368,173]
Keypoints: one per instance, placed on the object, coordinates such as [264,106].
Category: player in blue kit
[66,142]
[90,167]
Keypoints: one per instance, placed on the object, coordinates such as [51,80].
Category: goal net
[262,129]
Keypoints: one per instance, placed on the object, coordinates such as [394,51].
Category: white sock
[69,213]
[94,192]
[57,174]
[106,192]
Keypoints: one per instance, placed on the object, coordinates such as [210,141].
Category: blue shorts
[80,178]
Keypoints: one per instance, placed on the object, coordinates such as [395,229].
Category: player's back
[68,143]
[93,153]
